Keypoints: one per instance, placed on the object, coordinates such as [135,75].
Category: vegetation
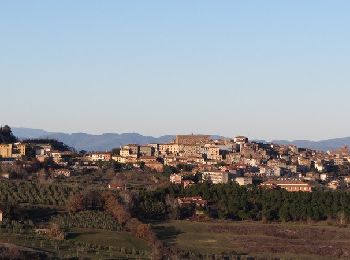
[34,193]
[87,219]
[82,244]
[57,145]
[254,240]
[6,135]
[230,201]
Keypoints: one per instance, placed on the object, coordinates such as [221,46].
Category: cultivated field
[286,241]
[83,243]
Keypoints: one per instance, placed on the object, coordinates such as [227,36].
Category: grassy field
[112,238]
[90,243]
[288,241]
[271,241]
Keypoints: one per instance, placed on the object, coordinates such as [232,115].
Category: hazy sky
[266,69]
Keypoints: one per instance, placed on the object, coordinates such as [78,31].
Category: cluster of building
[12,151]
[237,159]
[218,161]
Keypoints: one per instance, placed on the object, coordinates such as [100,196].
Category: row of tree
[12,192]
[231,201]
[112,204]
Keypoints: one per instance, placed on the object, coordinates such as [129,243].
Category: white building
[242,181]
[215,177]
[125,151]
[175,178]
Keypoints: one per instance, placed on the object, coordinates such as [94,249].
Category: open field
[290,240]
[112,238]
[90,243]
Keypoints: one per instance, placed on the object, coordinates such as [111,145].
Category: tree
[56,232]
[115,208]
[76,203]
[6,135]
[170,169]
[342,218]
[144,231]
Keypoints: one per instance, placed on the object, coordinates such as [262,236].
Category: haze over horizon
[268,70]
[173,134]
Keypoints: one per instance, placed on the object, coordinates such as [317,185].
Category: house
[320,166]
[292,185]
[56,156]
[125,151]
[198,201]
[169,149]
[293,168]
[146,150]
[195,159]
[131,159]
[96,157]
[213,152]
[347,180]
[215,177]
[192,139]
[326,176]
[156,166]
[15,150]
[119,159]
[187,183]
[189,150]
[333,185]
[242,181]
[147,159]
[114,186]
[176,178]
[311,176]
[212,162]
[134,149]
[240,140]
[266,170]
[304,161]
[339,161]
[42,158]
[5,175]
[62,172]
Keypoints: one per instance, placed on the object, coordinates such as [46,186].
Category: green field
[112,238]
[90,243]
[290,240]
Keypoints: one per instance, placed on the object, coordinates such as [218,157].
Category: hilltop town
[217,161]
[49,191]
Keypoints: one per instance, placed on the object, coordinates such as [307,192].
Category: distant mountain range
[108,141]
[90,142]
[323,145]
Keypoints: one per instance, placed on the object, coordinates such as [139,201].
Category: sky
[265,69]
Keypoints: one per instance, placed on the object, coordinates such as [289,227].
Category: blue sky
[266,69]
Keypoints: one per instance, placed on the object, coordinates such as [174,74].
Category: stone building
[192,139]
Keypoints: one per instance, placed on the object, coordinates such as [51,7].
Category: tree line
[112,204]
[231,201]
